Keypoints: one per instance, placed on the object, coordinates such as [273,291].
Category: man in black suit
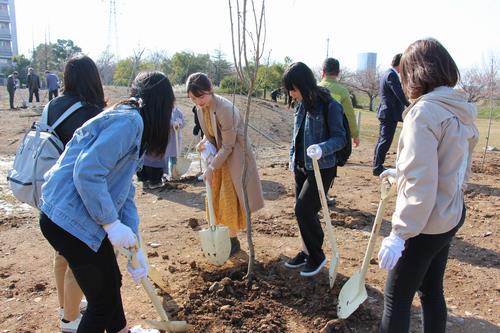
[11,88]
[392,103]
[33,85]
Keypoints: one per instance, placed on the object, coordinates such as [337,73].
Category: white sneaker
[70,327]
[83,308]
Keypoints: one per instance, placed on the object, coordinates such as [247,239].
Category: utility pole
[327,46]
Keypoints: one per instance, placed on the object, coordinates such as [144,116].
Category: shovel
[165,324]
[332,272]
[215,241]
[182,165]
[353,293]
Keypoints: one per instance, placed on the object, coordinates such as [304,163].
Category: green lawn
[370,124]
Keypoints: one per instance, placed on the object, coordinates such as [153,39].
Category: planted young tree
[248,35]
[492,74]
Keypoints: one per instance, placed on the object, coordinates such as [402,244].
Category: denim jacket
[329,136]
[91,183]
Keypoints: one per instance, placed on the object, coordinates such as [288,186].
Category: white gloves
[390,251]
[119,234]
[208,152]
[142,271]
[314,152]
[291,166]
[391,173]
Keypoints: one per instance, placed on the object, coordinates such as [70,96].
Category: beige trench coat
[229,145]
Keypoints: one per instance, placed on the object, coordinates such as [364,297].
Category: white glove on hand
[388,173]
[390,251]
[314,152]
[141,272]
[119,234]
[291,166]
[209,152]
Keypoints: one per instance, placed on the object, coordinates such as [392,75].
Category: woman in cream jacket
[433,164]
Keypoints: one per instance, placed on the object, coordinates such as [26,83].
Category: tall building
[367,61]
[8,32]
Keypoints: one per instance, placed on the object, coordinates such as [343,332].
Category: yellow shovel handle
[324,206]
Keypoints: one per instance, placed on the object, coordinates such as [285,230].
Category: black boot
[235,246]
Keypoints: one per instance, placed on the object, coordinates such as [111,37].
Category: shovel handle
[211,212]
[177,142]
[385,190]
[324,206]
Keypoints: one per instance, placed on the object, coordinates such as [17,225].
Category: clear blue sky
[470,30]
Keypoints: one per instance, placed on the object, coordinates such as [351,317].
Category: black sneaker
[298,261]
[235,246]
[312,269]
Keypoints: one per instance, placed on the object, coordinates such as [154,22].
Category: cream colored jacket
[433,163]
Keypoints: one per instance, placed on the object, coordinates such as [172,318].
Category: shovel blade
[351,296]
[332,272]
[216,244]
[169,326]
[182,165]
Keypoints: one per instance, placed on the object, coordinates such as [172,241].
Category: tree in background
[53,56]
[364,81]
[63,50]
[221,67]
[106,65]
[20,64]
[185,63]
[270,77]
[476,82]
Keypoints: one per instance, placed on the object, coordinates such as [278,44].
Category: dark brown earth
[216,299]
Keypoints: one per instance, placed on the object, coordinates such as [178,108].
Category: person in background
[318,132]
[33,85]
[87,205]
[52,84]
[81,84]
[222,126]
[330,79]
[432,168]
[11,88]
[176,126]
[392,103]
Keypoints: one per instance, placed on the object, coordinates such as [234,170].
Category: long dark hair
[299,76]
[81,78]
[426,65]
[153,95]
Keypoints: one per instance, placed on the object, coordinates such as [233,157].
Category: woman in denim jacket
[88,198]
[318,132]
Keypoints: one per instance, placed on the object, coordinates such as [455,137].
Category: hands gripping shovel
[353,293]
[215,241]
[332,272]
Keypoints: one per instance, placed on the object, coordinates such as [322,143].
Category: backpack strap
[66,114]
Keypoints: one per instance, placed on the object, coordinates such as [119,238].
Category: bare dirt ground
[215,299]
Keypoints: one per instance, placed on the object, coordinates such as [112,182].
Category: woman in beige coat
[433,163]
[222,124]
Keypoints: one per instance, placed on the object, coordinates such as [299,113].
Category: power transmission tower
[113,45]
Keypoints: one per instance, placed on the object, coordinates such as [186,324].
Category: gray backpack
[38,152]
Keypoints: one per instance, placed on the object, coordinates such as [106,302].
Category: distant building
[367,61]
[8,32]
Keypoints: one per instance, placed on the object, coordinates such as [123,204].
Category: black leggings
[421,268]
[307,206]
[97,274]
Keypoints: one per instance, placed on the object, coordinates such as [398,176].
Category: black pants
[385,137]
[307,206]
[37,95]
[97,274]
[150,174]
[11,98]
[53,93]
[421,268]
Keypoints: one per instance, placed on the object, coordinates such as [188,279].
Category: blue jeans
[421,268]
